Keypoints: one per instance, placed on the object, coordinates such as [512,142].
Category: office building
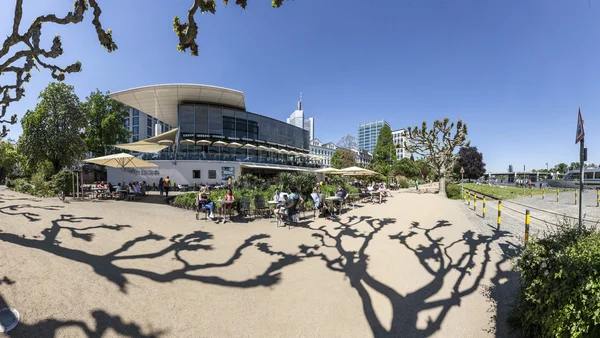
[213,136]
[297,119]
[368,134]
[398,137]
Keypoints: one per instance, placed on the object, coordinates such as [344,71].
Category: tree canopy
[561,168]
[574,166]
[471,161]
[22,52]
[52,131]
[8,158]
[343,158]
[384,156]
[437,145]
[348,142]
[105,126]
[407,168]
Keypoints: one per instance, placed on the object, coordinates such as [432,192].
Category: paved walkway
[415,266]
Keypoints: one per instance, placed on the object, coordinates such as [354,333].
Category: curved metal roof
[161,100]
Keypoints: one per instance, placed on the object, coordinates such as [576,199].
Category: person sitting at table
[227,207]
[341,194]
[291,202]
[203,201]
[316,197]
[99,187]
[137,189]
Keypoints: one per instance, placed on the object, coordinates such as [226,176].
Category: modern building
[368,134]
[323,150]
[213,136]
[398,137]
[297,119]
[143,126]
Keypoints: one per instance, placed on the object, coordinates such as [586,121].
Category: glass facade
[216,123]
[368,134]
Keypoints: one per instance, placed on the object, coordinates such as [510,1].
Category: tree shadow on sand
[104,323]
[434,258]
[16,210]
[459,271]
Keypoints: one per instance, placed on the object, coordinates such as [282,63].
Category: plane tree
[22,49]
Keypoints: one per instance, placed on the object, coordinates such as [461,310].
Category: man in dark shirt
[341,195]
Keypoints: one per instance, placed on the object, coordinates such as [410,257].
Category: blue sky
[514,71]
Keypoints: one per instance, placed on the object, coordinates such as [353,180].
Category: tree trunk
[442,181]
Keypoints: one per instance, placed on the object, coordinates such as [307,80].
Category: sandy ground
[414,266]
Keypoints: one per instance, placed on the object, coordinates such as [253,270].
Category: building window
[136,112]
[212,174]
[136,130]
[136,120]
[196,174]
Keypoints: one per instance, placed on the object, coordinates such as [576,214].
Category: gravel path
[414,266]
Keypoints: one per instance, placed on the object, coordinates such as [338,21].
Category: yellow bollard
[543,193]
[557,191]
[469,203]
[576,191]
[474,202]
[483,210]
[499,213]
[527,222]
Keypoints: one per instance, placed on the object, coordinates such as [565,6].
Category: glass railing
[226,157]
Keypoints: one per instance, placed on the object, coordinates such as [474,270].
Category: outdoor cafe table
[99,191]
[332,204]
[223,204]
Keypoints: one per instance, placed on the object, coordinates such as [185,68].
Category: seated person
[289,209]
[316,197]
[203,201]
[228,206]
[136,189]
[341,195]
[100,186]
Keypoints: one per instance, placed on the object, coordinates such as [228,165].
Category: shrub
[249,181]
[185,201]
[453,191]
[10,183]
[560,285]
[63,181]
[403,182]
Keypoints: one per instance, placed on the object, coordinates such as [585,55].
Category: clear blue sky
[514,71]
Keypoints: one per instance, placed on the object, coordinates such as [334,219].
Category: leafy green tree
[406,167]
[106,118]
[424,168]
[52,131]
[438,144]
[471,161]
[574,166]
[384,156]
[561,168]
[348,142]
[21,51]
[343,158]
[8,158]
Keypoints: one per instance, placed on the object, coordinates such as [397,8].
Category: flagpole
[581,160]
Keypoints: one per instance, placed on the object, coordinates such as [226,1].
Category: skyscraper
[368,134]
[297,119]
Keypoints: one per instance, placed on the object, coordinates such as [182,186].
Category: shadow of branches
[104,322]
[16,210]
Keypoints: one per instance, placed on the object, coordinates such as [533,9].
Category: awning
[142,147]
[150,145]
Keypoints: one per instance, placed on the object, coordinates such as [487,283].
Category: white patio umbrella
[234,145]
[203,143]
[248,146]
[356,171]
[165,142]
[328,171]
[219,144]
[187,143]
[121,160]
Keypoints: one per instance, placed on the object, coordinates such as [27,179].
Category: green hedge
[560,286]
[453,191]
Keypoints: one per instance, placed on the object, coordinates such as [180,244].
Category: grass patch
[506,193]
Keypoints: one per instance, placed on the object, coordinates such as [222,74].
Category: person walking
[160,186]
[167,185]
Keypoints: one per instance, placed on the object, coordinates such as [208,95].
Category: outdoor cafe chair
[260,205]
[244,206]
